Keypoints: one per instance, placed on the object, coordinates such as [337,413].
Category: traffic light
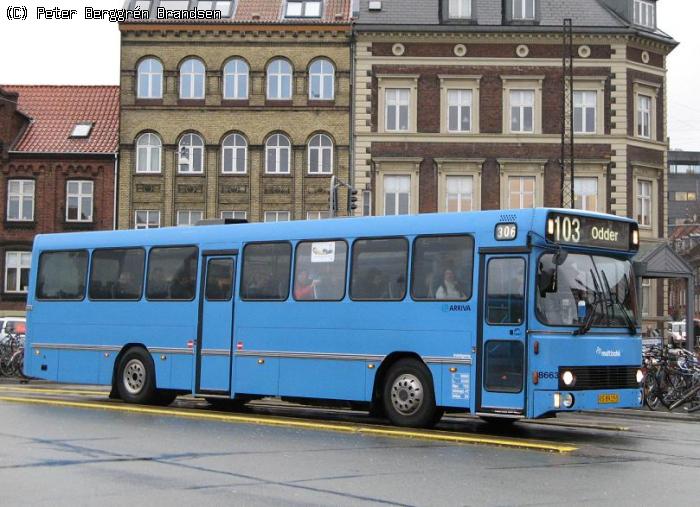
[352,202]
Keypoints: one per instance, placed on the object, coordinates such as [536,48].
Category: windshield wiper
[616,301]
[588,322]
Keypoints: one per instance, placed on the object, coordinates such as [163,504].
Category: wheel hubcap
[407,394]
[134,376]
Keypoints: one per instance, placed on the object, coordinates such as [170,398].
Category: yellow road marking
[41,390]
[438,436]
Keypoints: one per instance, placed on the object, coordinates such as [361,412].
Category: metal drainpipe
[351,169]
[115,198]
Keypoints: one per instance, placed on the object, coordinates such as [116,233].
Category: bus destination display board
[581,230]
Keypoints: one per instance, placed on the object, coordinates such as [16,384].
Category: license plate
[608,398]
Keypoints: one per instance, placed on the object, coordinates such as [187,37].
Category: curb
[648,414]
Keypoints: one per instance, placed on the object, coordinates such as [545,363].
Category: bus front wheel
[408,396]
[136,379]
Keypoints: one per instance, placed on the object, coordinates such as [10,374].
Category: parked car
[16,325]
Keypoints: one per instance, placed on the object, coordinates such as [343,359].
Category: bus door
[215,336]
[502,338]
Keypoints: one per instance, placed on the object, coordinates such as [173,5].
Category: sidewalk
[644,413]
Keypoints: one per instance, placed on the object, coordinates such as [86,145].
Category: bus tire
[136,377]
[408,395]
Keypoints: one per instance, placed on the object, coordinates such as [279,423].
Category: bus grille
[601,377]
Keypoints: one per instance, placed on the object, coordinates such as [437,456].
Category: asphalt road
[92,452]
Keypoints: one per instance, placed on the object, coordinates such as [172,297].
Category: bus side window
[172,274]
[117,274]
[62,275]
[319,270]
[379,269]
[505,296]
[266,270]
[443,268]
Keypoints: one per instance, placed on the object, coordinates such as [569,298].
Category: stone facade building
[683,188]
[458,106]
[58,160]
[246,116]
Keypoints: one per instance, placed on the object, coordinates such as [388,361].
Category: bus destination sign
[581,230]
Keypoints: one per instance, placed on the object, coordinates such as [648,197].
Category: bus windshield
[605,285]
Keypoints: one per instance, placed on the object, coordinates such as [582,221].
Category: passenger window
[504,366]
[442,268]
[505,299]
[62,275]
[319,271]
[379,269]
[117,274]
[266,268]
[172,274]
[219,280]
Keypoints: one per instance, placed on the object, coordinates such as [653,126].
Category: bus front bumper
[548,401]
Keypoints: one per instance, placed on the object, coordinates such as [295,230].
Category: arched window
[150,79]
[320,154]
[148,150]
[234,154]
[236,80]
[191,154]
[321,80]
[278,152]
[279,80]
[192,74]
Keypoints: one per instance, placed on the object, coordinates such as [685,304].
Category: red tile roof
[334,12]
[55,110]
[683,231]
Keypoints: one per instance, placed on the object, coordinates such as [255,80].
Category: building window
[397,195]
[148,150]
[522,110]
[460,9]
[644,116]
[586,193]
[685,168]
[79,201]
[234,154]
[644,13]
[585,112]
[174,5]
[192,76]
[20,200]
[303,9]
[320,154]
[82,130]
[279,80]
[191,154]
[278,154]
[317,215]
[366,203]
[459,191]
[188,217]
[521,192]
[397,103]
[234,215]
[524,9]
[321,80]
[147,219]
[646,296]
[17,266]
[236,73]
[644,202]
[459,104]
[685,196]
[225,7]
[277,216]
[150,79]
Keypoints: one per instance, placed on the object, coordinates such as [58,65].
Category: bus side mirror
[559,258]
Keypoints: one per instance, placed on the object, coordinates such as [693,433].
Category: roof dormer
[521,11]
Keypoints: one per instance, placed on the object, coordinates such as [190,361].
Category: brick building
[58,160]
[247,116]
[458,106]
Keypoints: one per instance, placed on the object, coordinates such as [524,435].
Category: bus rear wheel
[136,377]
[408,396]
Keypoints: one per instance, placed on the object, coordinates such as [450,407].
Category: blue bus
[502,314]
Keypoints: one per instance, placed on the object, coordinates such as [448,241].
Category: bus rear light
[535,378]
[536,347]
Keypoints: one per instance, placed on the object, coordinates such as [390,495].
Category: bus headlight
[568,378]
[567,400]
[640,376]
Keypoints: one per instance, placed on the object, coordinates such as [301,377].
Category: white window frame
[513,168]
[366,203]
[277,215]
[397,82]
[150,148]
[320,149]
[240,143]
[234,215]
[459,194]
[645,202]
[278,150]
[19,197]
[646,298]
[80,195]
[193,75]
[521,191]
[512,84]
[188,217]
[522,7]
[306,9]
[458,100]
[582,102]
[317,215]
[398,98]
[644,116]
[397,210]
[23,262]
[586,198]
[459,9]
[644,13]
[188,146]
[236,69]
[518,100]
[149,74]
[278,75]
[148,223]
[323,74]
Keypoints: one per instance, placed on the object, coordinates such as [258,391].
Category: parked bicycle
[672,378]
[12,355]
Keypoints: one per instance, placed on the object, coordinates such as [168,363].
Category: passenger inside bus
[305,286]
[448,289]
